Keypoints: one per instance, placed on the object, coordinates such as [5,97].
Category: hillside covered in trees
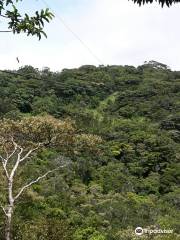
[129,179]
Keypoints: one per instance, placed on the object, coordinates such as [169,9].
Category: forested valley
[120,135]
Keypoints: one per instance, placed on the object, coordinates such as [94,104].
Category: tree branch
[5,170]
[3,210]
[4,163]
[3,16]
[13,152]
[6,31]
[35,181]
[29,152]
[8,156]
[17,163]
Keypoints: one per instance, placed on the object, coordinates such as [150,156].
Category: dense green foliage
[132,180]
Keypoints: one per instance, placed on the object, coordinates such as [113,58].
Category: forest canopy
[122,139]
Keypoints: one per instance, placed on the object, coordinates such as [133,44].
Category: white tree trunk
[8,223]
[10,174]
[9,210]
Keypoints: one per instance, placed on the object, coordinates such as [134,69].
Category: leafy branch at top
[18,23]
[162,2]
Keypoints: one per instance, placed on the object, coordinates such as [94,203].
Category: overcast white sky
[117,32]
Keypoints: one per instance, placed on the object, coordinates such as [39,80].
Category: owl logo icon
[139,231]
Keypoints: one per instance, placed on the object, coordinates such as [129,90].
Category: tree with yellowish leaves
[23,139]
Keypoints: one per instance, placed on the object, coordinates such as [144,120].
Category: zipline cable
[73,33]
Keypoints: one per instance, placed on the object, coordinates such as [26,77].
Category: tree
[18,23]
[162,2]
[133,181]
[19,141]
